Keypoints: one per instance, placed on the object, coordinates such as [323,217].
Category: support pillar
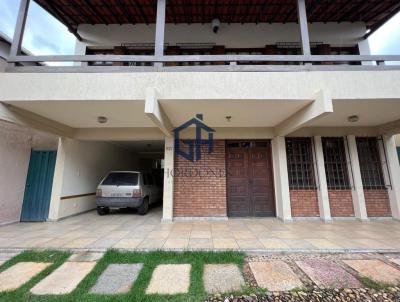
[56,190]
[393,168]
[160,30]
[168,195]
[323,195]
[281,179]
[302,18]
[357,191]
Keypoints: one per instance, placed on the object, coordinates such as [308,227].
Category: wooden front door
[250,186]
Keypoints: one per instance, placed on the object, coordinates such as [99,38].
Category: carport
[81,165]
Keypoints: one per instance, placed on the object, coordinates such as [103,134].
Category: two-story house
[292,117]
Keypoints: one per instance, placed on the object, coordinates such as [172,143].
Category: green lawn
[137,292]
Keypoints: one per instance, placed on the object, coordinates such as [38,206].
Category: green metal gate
[38,186]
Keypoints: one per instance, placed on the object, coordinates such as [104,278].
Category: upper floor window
[335,163]
[370,163]
[300,163]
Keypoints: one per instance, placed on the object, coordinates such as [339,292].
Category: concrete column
[281,179]
[56,191]
[393,170]
[323,196]
[168,197]
[357,191]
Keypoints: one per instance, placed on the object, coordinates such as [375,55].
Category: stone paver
[327,274]
[170,279]
[64,279]
[7,256]
[117,278]
[222,278]
[20,273]
[395,260]
[376,270]
[275,275]
[85,257]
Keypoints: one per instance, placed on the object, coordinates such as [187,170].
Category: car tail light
[99,192]
[137,193]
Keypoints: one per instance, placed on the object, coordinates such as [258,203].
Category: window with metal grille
[370,163]
[300,163]
[335,163]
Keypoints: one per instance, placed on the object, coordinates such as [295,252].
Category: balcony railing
[226,63]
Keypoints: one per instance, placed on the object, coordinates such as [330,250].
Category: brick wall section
[201,195]
[304,203]
[341,203]
[377,203]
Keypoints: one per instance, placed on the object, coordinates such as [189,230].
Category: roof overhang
[73,13]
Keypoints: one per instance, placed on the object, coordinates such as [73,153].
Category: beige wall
[81,166]
[15,147]
[232,35]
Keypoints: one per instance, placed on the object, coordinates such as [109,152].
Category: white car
[128,189]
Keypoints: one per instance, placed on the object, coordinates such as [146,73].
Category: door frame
[269,141]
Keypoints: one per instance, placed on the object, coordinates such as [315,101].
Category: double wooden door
[250,186]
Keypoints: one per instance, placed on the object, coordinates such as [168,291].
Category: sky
[45,35]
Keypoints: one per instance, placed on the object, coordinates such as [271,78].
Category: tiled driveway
[130,231]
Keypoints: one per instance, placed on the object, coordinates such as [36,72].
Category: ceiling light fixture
[102,119]
[353,118]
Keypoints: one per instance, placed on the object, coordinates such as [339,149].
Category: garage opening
[136,182]
[87,164]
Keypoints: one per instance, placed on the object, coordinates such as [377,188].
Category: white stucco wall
[84,165]
[233,35]
[15,148]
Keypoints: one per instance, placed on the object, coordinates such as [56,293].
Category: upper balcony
[229,35]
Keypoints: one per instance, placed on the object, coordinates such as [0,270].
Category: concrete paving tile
[127,243]
[152,244]
[200,234]
[85,257]
[249,244]
[324,244]
[103,243]
[395,260]
[179,234]
[64,279]
[376,270]
[222,278]
[225,243]
[273,244]
[170,279]
[80,242]
[298,244]
[222,234]
[20,273]
[195,243]
[275,275]
[243,235]
[117,278]
[327,274]
[8,256]
[158,234]
[173,243]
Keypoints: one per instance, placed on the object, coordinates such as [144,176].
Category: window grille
[370,163]
[300,163]
[336,171]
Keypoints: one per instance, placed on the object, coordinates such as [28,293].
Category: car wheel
[102,211]
[144,207]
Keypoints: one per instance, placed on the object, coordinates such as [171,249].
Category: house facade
[258,109]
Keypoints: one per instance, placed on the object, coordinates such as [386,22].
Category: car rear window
[121,179]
